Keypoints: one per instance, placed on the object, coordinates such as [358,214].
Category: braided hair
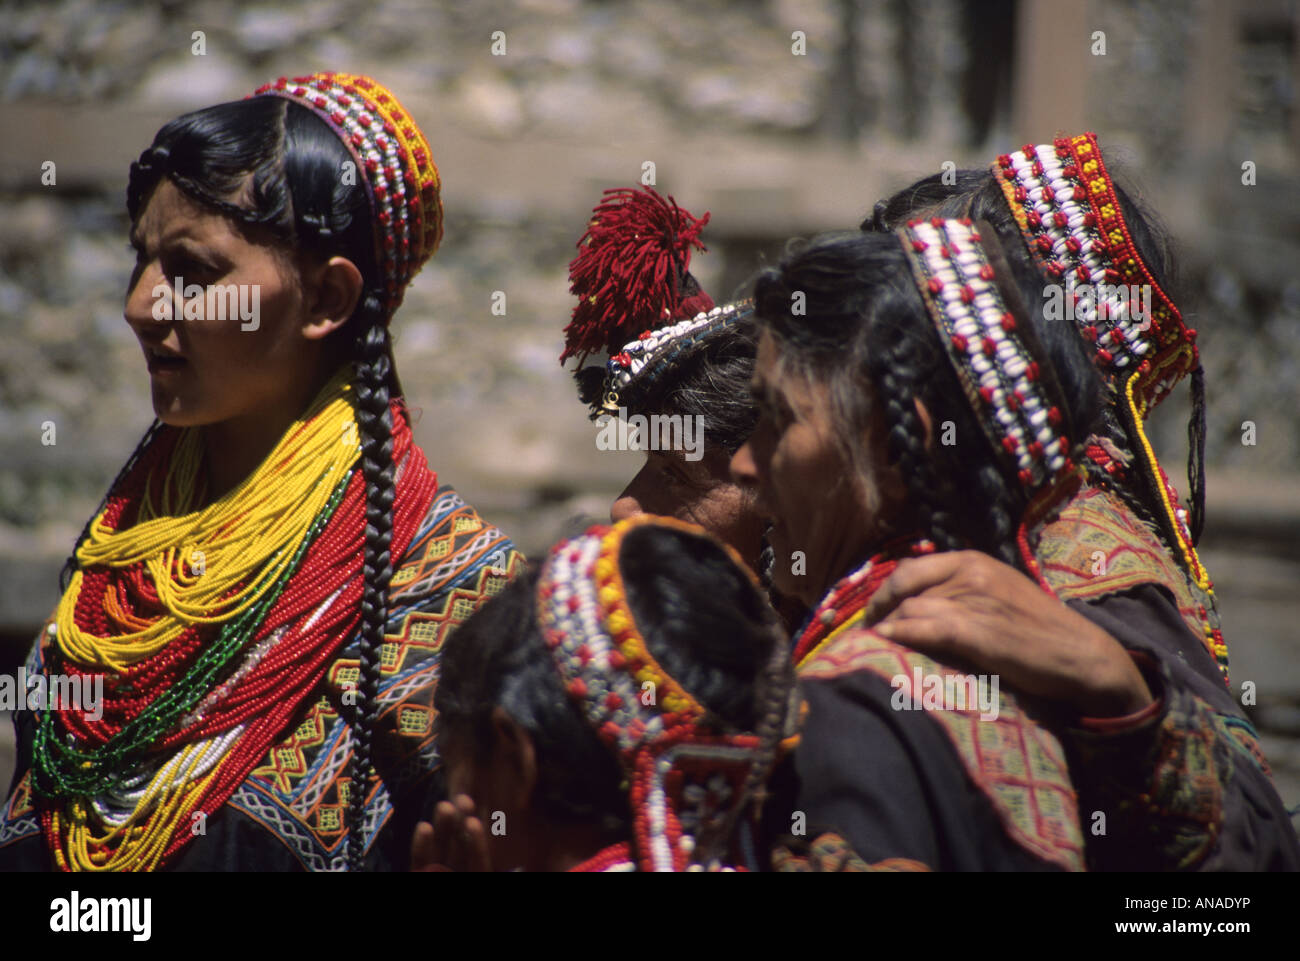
[703,622]
[867,336]
[281,163]
[978,195]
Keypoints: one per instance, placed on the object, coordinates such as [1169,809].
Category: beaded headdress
[686,773]
[638,303]
[1070,217]
[642,361]
[1063,199]
[393,160]
[1016,398]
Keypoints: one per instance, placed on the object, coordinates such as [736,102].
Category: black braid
[375,423]
[988,505]
[778,683]
[242,215]
[71,565]
[907,449]
[1196,457]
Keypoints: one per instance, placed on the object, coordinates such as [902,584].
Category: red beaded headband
[1070,216]
[1013,399]
[1065,203]
[677,773]
[395,163]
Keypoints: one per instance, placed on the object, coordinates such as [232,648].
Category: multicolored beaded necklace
[845,604]
[205,662]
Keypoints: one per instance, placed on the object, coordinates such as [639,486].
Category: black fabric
[890,782]
[1256,833]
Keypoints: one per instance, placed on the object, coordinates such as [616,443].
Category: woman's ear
[331,293]
[514,761]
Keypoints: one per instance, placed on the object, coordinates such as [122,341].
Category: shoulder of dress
[454,549]
[856,648]
[1097,546]
[1014,760]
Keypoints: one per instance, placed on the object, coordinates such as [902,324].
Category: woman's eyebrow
[175,236]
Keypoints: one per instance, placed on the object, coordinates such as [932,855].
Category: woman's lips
[160,361]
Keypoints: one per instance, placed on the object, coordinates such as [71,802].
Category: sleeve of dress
[1183,785]
[456,562]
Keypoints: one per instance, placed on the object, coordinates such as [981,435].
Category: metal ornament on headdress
[1013,400]
[393,160]
[655,350]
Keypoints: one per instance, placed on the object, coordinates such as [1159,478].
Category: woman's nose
[744,471]
[149,299]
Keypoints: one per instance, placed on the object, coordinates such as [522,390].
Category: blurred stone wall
[772,143]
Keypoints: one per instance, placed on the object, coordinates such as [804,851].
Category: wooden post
[1208,122]
[1048,92]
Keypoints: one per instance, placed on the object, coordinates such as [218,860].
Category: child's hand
[455,841]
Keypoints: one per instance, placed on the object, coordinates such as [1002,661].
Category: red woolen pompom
[631,272]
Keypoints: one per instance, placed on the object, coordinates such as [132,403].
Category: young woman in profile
[270,577]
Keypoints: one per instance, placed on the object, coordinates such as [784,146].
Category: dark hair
[703,621]
[498,658]
[272,166]
[710,380]
[977,194]
[868,337]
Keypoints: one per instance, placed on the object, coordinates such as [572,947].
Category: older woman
[672,355]
[1183,782]
[868,451]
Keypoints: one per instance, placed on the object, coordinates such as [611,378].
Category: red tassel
[630,271]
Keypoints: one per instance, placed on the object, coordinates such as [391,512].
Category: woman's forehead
[173,212]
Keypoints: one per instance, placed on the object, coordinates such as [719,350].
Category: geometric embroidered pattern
[1015,762]
[299,792]
[1095,546]
[1178,810]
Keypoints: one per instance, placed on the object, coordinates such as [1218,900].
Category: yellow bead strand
[210,565]
[166,805]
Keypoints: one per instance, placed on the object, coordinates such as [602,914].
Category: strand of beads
[63,770]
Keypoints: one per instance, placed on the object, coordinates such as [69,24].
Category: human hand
[968,605]
[455,841]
